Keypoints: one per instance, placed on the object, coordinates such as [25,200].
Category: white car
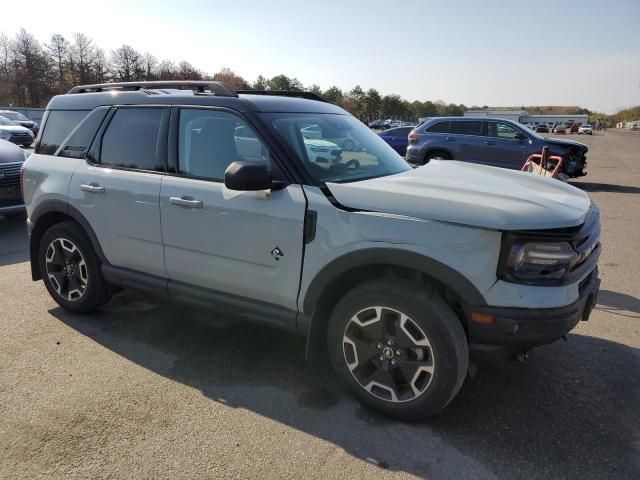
[322,151]
[15,133]
[586,129]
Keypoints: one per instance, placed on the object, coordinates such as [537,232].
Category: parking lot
[145,388]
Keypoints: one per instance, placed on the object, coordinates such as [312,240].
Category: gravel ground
[148,389]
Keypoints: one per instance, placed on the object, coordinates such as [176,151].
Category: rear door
[118,188]
[244,244]
[399,140]
[505,149]
[467,140]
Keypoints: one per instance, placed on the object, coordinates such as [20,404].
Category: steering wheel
[352,163]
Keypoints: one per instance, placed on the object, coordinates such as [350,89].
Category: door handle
[487,142]
[92,188]
[185,202]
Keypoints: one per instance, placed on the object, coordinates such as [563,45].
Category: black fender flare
[57,206]
[377,256]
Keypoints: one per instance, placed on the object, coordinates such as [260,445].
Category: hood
[14,128]
[468,194]
[10,153]
[566,143]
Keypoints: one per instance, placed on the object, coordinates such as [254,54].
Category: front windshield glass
[337,148]
[5,121]
[14,116]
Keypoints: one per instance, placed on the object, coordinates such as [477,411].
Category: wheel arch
[48,214]
[347,271]
[438,149]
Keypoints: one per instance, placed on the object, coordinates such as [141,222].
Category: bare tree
[32,72]
[126,64]
[58,49]
[167,70]
[100,66]
[150,64]
[186,71]
[232,79]
[83,54]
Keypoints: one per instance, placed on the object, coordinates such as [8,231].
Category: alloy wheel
[388,354]
[66,269]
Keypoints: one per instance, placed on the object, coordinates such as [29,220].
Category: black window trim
[95,151]
[64,145]
[173,144]
[45,122]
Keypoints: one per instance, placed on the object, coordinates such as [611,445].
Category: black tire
[436,155]
[448,350]
[95,292]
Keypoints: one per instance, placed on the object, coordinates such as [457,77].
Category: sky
[484,52]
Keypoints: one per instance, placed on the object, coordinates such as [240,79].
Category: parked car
[585,129]
[398,272]
[397,138]
[573,128]
[542,129]
[11,159]
[322,151]
[489,141]
[21,120]
[560,129]
[377,124]
[15,133]
[339,137]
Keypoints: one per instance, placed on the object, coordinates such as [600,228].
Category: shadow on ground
[618,303]
[14,242]
[605,187]
[570,412]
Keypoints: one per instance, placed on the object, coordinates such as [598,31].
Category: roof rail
[212,87]
[284,93]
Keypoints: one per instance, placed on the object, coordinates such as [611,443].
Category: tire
[413,344]
[71,270]
[436,155]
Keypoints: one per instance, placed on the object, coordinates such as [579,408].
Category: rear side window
[438,127]
[78,143]
[466,128]
[59,124]
[402,132]
[131,139]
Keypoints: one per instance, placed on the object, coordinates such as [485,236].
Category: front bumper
[520,329]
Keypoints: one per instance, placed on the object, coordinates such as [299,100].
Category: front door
[246,244]
[506,146]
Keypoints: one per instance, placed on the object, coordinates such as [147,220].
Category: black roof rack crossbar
[216,88]
[284,93]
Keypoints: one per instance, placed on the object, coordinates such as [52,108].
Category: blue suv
[489,141]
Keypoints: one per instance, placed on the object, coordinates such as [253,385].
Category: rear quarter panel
[47,178]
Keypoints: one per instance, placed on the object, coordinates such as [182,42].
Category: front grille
[10,174]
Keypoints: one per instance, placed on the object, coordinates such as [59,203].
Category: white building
[525,118]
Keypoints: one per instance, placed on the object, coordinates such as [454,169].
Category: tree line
[32,72]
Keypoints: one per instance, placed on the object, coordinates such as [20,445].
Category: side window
[402,132]
[80,139]
[439,127]
[501,130]
[462,127]
[131,139]
[210,140]
[58,126]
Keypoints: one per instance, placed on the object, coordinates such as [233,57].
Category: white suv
[211,197]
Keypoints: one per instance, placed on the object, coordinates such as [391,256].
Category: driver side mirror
[248,176]
[520,136]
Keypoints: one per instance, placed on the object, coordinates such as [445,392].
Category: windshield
[14,116]
[337,148]
[5,121]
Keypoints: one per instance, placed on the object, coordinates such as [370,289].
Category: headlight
[538,262]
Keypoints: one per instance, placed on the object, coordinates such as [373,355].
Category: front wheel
[399,347]
[71,270]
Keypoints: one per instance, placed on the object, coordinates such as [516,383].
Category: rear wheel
[71,270]
[399,347]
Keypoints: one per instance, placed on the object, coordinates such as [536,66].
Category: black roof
[88,97]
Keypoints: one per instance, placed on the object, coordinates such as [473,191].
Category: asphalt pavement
[145,388]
